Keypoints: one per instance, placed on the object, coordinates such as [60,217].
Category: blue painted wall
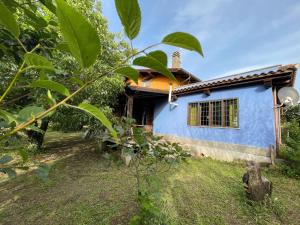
[256,117]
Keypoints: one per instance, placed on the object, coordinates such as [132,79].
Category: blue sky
[236,35]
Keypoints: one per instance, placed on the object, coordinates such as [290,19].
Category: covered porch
[140,103]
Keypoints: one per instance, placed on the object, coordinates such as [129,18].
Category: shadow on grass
[83,189]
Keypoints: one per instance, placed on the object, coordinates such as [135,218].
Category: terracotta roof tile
[240,77]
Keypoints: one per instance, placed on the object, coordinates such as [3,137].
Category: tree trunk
[257,187]
[36,136]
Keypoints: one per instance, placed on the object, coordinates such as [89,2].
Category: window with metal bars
[220,113]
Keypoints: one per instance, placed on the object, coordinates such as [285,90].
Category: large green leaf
[153,63]
[130,16]
[183,40]
[160,56]
[8,20]
[51,85]
[29,112]
[82,38]
[37,61]
[8,117]
[129,72]
[97,113]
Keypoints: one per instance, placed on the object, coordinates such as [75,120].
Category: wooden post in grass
[257,187]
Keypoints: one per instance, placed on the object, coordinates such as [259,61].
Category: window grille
[220,113]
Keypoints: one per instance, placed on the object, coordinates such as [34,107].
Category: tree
[111,53]
[290,149]
[84,43]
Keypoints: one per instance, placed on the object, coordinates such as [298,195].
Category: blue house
[229,118]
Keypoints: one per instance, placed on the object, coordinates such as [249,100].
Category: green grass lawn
[85,188]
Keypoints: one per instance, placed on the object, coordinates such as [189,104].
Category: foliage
[150,156]
[149,213]
[100,116]
[12,160]
[85,48]
[78,32]
[290,150]
[183,40]
[147,156]
[153,63]
[130,16]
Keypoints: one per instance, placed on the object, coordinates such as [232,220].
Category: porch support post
[129,106]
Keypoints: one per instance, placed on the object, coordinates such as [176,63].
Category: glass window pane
[231,113]
[217,113]
[204,109]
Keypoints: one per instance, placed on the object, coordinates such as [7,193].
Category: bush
[290,149]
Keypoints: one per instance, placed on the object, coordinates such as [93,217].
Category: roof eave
[173,70]
[286,75]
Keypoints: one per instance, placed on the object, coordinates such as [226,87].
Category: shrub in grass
[290,150]
[150,155]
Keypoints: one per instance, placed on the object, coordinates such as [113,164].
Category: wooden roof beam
[268,83]
[206,91]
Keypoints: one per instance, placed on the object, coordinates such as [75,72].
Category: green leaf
[24,155]
[129,72]
[76,80]
[82,38]
[94,111]
[9,171]
[51,99]
[49,5]
[53,23]
[43,172]
[6,159]
[63,46]
[160,56]
[8,20]
[152,63]
[35,20]
[29,112]
[38,61]
[51,85]
[130,15]
[183,40]
[43,75]
[8,117]
[11,5]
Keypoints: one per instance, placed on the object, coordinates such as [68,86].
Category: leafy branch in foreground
[84,45]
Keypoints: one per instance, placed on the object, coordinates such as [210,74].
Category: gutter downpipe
[277,120]
[170,97]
